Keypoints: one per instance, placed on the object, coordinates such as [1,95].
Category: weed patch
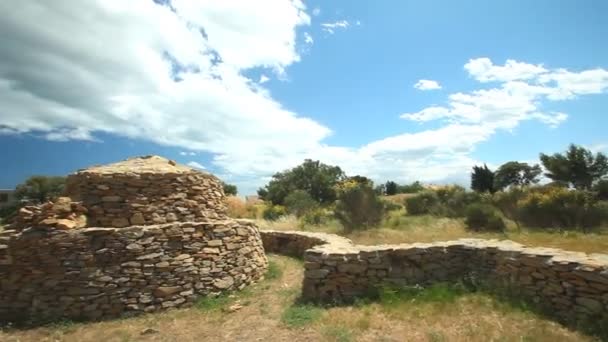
[300,315]
[274,271]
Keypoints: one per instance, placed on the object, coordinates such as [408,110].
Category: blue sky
[270,83]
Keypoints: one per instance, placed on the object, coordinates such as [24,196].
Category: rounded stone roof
[143,164]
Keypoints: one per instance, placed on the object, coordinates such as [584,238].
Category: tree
[482,179]
[40,188]
[516,173]
[299,203]
[229,189]
[380,189]
[358,206]
[577,166]
[601,190]
[391,188]
[315,178]
[410,188]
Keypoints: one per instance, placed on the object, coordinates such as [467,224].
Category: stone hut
[144,191]
[136,236]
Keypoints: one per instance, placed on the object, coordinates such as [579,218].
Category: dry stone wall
[572,286]
[146,191]
[94,273]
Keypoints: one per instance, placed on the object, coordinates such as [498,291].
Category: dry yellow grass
[238,208]
[400,228]
[471,317]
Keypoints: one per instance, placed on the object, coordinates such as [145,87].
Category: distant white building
[7,197]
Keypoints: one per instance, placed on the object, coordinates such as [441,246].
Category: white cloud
[177,78]
[483,70]
[332,27]
[263,79]
[308,38]
[316,11]
[196,165]
[427,85]
[185,153]
[522,90]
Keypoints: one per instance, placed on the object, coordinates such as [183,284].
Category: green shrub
[315,217]
[507,202]
[358,206]
[299,202]
[391,206]
[454,200]
[273,212]
[601,190]
[423,203]
[483,217]
[554,207]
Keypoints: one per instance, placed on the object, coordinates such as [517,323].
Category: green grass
[216,303]
[274,271]
[438,293]
[299,315]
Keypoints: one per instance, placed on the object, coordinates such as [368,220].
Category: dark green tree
[578,167]
[391,188]
[517,174]
[40,188]
[229,189]
[299,202]
[315,178]
[358,206]
[482,179]
[380,189]
[410,188]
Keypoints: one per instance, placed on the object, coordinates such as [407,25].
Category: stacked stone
[62,214]
[146,191]
[571,286]
[96,273]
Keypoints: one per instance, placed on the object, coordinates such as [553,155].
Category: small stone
[162,264]
[591,304]
[223,283]
[182,257]
[149,331]
[207,250]
[111,199]
[214,243]
[234,307]
[165,291]
[62,205]
[103,187]
[242,231]
[65,224]
[138,219]
[316,274]
[50,222]
[171,217]
[135,247]
[120,222]
[104,279]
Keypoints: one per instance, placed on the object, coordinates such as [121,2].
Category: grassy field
[270,311]
[401,228]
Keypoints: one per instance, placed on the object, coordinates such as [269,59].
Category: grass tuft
[300,315]
[438,293]
[216,303]
[274,271]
